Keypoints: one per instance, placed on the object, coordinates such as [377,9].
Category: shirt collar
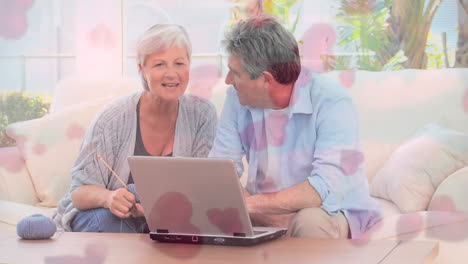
[300,102]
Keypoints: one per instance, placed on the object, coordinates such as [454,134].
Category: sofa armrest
[15,181]
[451,193]
[13,212]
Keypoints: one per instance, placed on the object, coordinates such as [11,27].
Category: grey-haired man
[299,134]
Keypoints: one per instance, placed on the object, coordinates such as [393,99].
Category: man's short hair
[263,44]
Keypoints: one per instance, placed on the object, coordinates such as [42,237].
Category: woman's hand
[137,211]
[120,202]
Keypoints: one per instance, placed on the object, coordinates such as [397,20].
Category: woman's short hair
[263,44]
[157,39]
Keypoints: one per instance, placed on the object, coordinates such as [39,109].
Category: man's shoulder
[326,88]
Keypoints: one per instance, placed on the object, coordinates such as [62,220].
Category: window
[45,41]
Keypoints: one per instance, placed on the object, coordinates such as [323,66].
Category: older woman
[159,121]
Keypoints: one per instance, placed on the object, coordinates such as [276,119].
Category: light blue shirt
[316,138]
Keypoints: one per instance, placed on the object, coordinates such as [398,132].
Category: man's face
[250,92]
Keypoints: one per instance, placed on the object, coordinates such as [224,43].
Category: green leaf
[396,62]
[17,107]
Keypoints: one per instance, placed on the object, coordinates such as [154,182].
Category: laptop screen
[191,195]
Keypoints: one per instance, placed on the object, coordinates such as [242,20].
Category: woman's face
[167,73]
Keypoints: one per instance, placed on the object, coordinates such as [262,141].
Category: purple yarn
[36,226]
[132,188]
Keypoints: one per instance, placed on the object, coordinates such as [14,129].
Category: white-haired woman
[158,121]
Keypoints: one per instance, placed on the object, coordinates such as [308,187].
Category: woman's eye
[180,63]
[158,65]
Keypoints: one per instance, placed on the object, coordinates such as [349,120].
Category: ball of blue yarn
[132,188]
[36,226]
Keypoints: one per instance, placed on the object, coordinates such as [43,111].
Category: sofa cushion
[392,105]
[413,172]
[15,182]
[452,193]
[375,155]
[50,146]
[387,208]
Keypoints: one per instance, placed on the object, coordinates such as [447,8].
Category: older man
[299,133]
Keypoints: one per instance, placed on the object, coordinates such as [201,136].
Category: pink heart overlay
[75,131]
[173,210]
[347,78]
[409,222]
[359,7]
[248,136]
[102,37]
[202,80]
[95,253]
[13,18]
[351,160]
[39,149]
[11,160]
[319,39]
[452,232]
[372,228]
[227,220]
[269,186]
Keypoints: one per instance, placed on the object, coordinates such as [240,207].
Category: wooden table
[97,248]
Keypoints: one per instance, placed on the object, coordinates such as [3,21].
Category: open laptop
[195,200]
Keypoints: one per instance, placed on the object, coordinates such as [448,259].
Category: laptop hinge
[239,234]
[164,231]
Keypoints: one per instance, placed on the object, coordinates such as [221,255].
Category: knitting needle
[115,174]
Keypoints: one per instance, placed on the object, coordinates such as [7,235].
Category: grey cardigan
[112,134]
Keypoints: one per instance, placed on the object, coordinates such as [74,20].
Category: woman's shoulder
[129,100]
[118,108]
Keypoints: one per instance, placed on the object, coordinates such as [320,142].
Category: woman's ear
[142,72]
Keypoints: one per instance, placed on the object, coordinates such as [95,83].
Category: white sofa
[419,172]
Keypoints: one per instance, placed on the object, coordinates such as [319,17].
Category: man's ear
[269,79]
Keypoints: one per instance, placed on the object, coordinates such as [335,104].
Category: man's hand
[289,200]
[120,202]
[245,192]
[278,209]
[272,220]
[266,219]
